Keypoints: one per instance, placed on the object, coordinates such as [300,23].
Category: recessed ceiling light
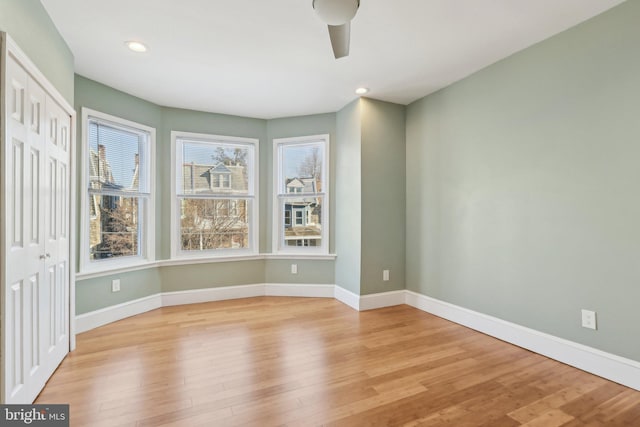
[362,90]
[136,46]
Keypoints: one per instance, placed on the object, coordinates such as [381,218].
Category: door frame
[9,48]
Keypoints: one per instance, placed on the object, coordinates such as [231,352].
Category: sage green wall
[317,124]
[383,195]
[309,271]
[28,23]
[96,293]
[370,190]
[523,186]
[98,97]
[174,119]
[348,197]
[200,276]
[213,275]
[279,271]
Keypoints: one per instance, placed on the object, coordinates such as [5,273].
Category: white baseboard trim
[384,299]
[196,296]
[289,290]
[94,319]
[369,302]
[347,297]
[610,366]
[103,316]
[615,368]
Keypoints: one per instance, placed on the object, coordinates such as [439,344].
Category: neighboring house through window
[118,203]
[215,206]
[301,194]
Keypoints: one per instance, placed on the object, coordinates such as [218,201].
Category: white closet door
[36,277]
[57,147]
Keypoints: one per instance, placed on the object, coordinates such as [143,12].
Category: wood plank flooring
[273,361]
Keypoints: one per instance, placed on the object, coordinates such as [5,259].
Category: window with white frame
[214,193]
[301,196]
[118,199]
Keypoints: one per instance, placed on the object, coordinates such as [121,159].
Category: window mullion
[215,197]
[299,195]
[95,191]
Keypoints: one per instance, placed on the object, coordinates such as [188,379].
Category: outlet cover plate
[589,319]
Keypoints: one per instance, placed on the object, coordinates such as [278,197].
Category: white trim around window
[217,185]
[301,195]
[145,252]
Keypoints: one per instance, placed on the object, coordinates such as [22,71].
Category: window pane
[114,227]
[214,168]
[208,224]
[302,168]
[114,158]
[302,220]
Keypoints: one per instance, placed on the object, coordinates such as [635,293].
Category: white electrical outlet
[589,319]
[385,275]
[294,268]
[115,285]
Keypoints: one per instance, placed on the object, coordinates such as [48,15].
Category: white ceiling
[272,58]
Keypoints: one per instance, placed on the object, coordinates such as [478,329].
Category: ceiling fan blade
[340,36]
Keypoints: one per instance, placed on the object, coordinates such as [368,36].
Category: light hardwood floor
[309,361]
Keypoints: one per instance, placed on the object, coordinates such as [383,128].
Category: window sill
[314,257]
[208,260]
[122,268]
[232,258]
[199,260]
